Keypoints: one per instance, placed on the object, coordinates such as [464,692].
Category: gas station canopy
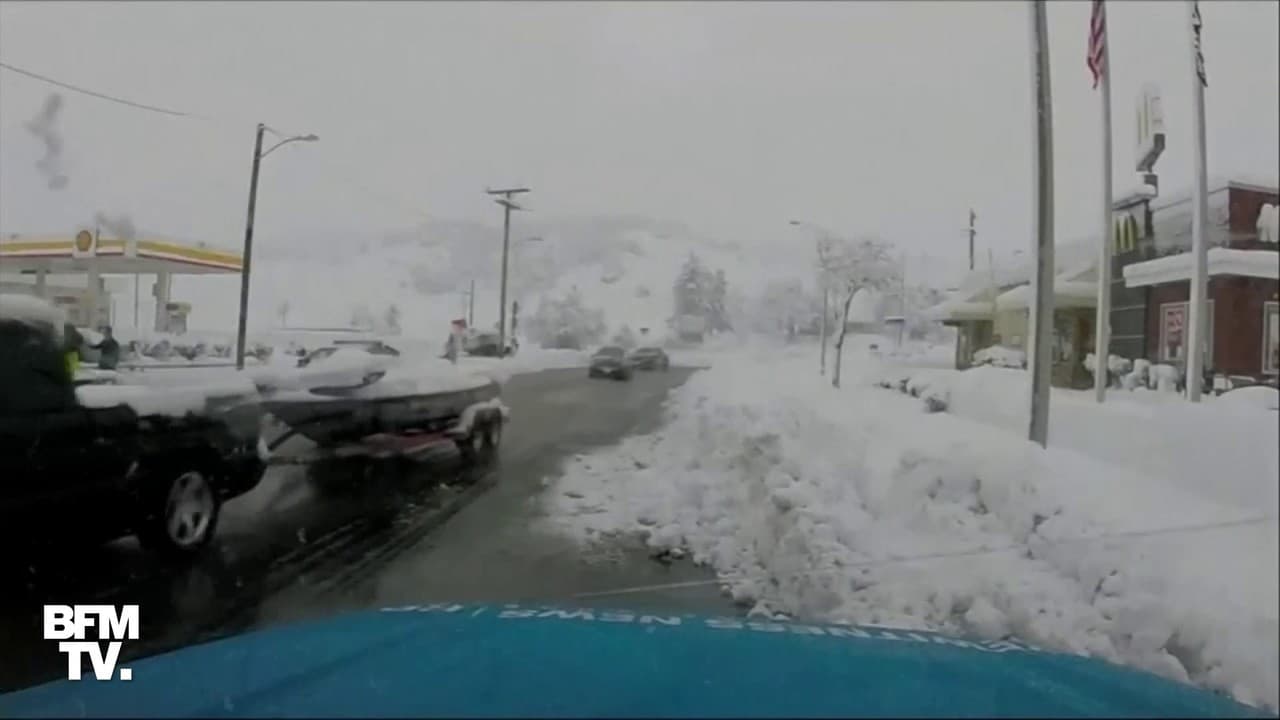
[84,253]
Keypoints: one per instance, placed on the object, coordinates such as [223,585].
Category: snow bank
[1223,450]
[1255,397]
[1000,356]
[856,506]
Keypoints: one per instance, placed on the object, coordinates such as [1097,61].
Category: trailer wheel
[493,435]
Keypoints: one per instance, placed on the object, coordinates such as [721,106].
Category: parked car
[373,347]
[610,361]
[77,473]
[486,345]
[650,358]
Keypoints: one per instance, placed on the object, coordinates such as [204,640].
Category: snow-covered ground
[857,505]
[1223,449]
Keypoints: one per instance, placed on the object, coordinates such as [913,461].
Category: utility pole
[471,304]
[1042,282]
[973,232]
[247,258]
[507,206]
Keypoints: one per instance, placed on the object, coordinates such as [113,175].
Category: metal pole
[247,260]
[1102,320]
[972,233]
[136,326]
[471,304]
[902,325]
[822,338]
[502,295]
[1196,321]
[1042,283]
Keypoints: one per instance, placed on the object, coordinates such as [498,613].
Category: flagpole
[1196,321]
[1041,319]
[1102,322]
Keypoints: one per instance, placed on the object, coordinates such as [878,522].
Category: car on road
[650,358]
[610,361]
[78,473]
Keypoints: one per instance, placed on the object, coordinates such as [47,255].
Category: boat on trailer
[358,403]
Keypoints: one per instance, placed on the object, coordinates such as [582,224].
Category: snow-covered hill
[623,265]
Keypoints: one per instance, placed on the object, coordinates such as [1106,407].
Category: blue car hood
[463,660]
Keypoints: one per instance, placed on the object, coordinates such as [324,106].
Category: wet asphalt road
[315,541]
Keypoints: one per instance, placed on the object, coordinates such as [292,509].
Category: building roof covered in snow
[1222,261]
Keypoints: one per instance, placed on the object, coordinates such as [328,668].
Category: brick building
[1152,280]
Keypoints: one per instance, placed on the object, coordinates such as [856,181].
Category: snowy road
[291,549]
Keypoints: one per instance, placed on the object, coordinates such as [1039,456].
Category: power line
[93,93]
[343,175]
[971,552]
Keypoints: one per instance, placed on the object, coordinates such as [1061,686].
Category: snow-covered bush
[566,322]
[1166,377]
[1139,376]
[1117,368]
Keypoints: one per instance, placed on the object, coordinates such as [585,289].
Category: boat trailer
[477,434]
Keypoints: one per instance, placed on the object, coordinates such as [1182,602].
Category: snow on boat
[351,395]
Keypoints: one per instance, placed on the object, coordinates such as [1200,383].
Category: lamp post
[247,260]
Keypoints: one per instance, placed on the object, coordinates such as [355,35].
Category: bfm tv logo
[68,625]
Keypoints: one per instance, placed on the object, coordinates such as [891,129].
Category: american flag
[1195,28]
[1097,42]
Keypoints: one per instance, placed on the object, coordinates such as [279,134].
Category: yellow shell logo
[84,241]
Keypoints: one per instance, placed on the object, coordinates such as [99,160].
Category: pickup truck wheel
[185,521]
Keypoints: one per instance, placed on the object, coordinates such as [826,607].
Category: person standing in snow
[108,349]
[453,346]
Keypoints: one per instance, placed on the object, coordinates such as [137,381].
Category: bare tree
[283,311]
[847,266]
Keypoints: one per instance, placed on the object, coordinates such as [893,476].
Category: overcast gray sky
[893,117]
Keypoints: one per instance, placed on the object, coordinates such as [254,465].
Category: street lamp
[247,259]
[822,280]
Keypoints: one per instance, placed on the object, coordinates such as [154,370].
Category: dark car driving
[650,358]
[610,361]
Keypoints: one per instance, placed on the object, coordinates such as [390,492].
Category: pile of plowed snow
[859,506]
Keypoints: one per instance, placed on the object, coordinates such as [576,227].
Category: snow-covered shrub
[566,322]
[1166,377]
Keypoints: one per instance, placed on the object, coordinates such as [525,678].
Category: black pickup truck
[71,474]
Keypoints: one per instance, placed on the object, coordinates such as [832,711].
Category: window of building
[1271,337]
[1173,336]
